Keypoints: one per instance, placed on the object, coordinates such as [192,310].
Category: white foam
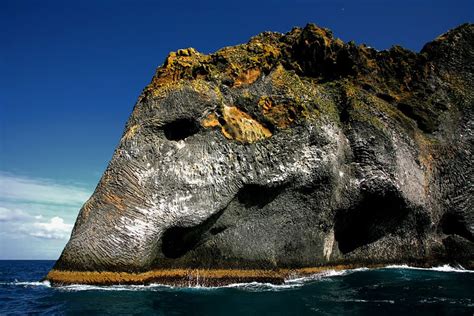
[324,275]
[316,276]
[251,286]
[366,301]
[256,286]
[357,269]
[444,268]
[84,287]
[28,284]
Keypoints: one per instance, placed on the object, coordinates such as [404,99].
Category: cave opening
[181,129]
[178,240]
[375,216]
[454,224]
[255,195]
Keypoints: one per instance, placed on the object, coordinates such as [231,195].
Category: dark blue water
[388,291]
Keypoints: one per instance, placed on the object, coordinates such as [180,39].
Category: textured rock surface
[291,151]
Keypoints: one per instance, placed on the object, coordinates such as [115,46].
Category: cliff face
[291,152]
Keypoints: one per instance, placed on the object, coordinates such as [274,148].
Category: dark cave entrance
[254,195]
[177,241]
[374,217]
[181,129]
[454,224]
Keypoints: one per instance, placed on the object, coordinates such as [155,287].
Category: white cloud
[56,228]
[17,222]
[8,215]
[40,190]
[36,215]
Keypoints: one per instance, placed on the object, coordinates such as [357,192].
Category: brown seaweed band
[188,277]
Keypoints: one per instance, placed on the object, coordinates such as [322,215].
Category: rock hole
[254,195]
[426,119]
[454,224]
[368,87]
[177,241]
[181,129]
[374,217]
[386,97]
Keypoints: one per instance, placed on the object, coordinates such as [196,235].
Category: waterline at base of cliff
[397,289]
[222,277]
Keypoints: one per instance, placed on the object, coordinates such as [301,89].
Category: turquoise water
[388,291]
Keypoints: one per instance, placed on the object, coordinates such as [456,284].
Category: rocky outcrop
[289,154]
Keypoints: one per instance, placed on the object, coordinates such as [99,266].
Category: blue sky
[70,72]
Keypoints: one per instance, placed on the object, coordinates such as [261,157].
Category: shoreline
[187,277]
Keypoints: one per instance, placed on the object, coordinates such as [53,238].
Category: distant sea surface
[396,290]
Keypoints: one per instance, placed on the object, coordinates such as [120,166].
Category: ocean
[394,290]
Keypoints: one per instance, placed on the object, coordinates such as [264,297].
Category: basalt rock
[289,154]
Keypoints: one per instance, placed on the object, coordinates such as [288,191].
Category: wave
[84,287]
[250,286]
[28,284]
[321,275]
[293,281]
[443,268]
[364,301]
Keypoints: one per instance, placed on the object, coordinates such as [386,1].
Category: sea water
[393,290]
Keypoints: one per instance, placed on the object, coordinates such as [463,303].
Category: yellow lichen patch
[186,52]
[210,121]
[280,115]
[237,125]
[164,88]
[203,88]
[350,91]
[278,77]
[198,85]
[247,77]
[263,54]
[242,127]
[302,98]
[131,132]
[265,103]
[291,86]
[324,34]
[365,58]
[178,65]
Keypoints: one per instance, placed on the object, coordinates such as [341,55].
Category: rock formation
[287,155]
